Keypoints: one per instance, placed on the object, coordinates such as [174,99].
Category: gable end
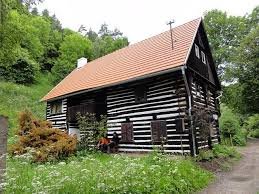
[203,63]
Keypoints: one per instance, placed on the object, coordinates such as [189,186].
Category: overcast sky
[138,19]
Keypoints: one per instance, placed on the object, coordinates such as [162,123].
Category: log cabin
[148,90]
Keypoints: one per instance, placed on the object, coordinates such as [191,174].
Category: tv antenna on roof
[171,32]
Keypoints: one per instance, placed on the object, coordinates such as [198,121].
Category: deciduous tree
[72,48]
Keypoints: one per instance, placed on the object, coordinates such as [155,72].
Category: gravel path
[243,178]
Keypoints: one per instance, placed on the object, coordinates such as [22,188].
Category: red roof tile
[146,57]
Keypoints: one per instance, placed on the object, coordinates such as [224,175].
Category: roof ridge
[165,31]
[130,45]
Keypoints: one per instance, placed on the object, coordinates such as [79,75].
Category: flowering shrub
[41,140]
[91,130]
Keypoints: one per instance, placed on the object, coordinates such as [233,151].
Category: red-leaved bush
[47,143]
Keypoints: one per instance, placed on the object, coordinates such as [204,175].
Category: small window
[197,51]
[158,130]
[208,97]
[199,91]
[180,125]
[140,94]
[56,107]
[203,57]
[127,132]
[200,41]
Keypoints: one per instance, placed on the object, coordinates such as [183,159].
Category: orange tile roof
[146,57]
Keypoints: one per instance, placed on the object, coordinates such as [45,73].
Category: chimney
[81,62]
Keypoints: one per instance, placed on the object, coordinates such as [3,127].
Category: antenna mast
[171,32]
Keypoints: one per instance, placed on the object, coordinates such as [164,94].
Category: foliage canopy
[235,44]
[38,42]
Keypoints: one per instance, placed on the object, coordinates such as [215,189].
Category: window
[56,107]
[140,94]
[208,97]
[127,132]
[203,57]
[180,126]
[200,41]
[197,51]
[158,130]
[199,91]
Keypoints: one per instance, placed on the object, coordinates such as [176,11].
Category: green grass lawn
[15,98]
[102,173]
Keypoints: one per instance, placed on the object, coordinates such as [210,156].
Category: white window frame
[203,57]
[197,51]
[54,107]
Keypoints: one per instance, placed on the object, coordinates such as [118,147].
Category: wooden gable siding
[162,100]
[196,63]
[58,120]
[207,70]
[200,101]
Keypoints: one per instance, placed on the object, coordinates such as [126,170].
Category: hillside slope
[15,98]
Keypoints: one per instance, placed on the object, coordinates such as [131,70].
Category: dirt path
[243,178]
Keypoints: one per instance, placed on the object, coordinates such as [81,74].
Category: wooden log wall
[200,100]
[162,100]
[58,120]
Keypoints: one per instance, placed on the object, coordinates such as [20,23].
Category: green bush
[23,71]
[240,138]
[223,151]
[205,155]
[228,122]
[231,131]
[252,125]
[255,133]
[218,151]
